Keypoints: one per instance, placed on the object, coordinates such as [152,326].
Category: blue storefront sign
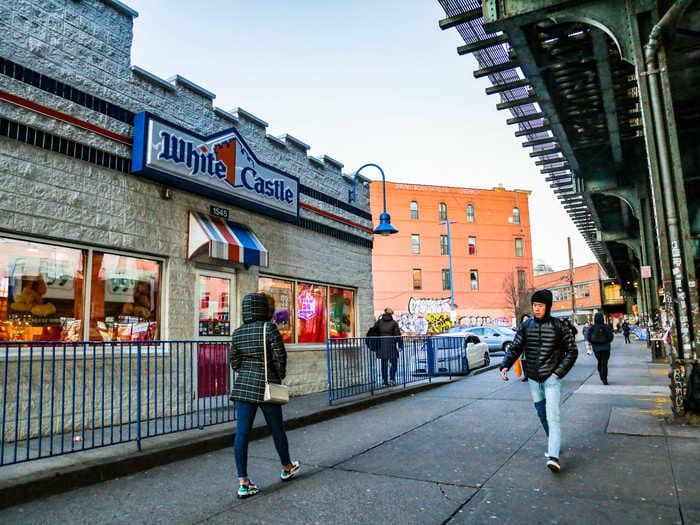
[220,166]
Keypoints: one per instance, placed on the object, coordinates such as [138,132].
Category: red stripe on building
[38,108]
[335,217]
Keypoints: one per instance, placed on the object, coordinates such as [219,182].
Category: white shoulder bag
[274,393]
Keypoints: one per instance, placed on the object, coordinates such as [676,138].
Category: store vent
[48,141]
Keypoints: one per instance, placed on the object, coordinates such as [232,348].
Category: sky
[360,81]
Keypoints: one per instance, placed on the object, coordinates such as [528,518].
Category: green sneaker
[289,474]
[247,490]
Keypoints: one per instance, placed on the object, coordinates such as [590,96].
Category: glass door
[213,328]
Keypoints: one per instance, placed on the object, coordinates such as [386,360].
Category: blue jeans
[549,392]
[245,415]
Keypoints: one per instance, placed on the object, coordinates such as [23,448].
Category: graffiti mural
[428,306]
[483,320]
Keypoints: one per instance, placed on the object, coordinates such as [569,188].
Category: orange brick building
[489,241]
[588,287]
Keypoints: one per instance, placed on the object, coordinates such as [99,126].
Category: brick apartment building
[489,241]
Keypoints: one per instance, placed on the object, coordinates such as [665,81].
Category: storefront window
[342,313]
[213,317]
[282,291]
[311,313]
[41,290]
[124,296]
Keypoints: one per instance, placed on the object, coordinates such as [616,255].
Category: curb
[162,450]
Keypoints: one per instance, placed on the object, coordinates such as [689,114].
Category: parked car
[497,338]
[452,353]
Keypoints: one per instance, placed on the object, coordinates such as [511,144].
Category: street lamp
[385,227]
[449,258]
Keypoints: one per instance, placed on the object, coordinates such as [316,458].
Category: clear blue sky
[360,81]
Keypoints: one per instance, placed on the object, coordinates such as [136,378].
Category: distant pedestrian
[586,328]
[246,356]
[600,336]
[389,346]
[551,352]
[523,319]
[626,331]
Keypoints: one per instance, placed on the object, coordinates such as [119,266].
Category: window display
[311,313]
[282,292]
[123,298]
[43,288]
[342,313]
[214,317]
[41,294]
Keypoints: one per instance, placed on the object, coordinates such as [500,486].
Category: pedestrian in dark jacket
[389,345]
[600,336]
[246,356]
[626,331]
[551,352]
[523,319]
[571,327]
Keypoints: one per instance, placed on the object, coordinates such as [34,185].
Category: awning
[225,240]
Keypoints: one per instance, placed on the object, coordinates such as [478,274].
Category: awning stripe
[226,240]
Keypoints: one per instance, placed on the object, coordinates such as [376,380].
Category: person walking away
[523,319]
[626,331]
[600,336]
[246,357]
[586,328]
[550,352]
[571,327]
[389,345]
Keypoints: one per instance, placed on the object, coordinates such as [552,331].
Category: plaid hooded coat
[246,351]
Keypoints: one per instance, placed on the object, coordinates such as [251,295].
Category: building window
[282,292]
[311,313]
[445,279]
[415,243]
[414,210]
[43,293]
[442,211]
[521,280]
[518,247]
[516,215]
[417,279]
[342,310]
[472,246]
[443,245]
[474,280]
[470,213]
[301,312]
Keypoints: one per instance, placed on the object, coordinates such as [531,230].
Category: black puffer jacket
[549,348]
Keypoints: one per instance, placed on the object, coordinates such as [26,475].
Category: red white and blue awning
[224,240]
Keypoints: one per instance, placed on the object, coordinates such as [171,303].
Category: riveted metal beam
[548,151]
[539,142]
[525,118]
[467,16]
[532,131]
[482,44]
[516,102]
[498,68]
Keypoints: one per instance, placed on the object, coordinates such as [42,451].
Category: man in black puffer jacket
[550,352]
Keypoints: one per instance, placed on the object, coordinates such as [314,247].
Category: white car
[452,353]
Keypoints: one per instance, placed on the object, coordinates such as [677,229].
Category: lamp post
[449,259]
[385,227]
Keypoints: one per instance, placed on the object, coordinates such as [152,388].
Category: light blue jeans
[549,395]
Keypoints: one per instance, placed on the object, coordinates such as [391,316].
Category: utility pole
[571,283]
[452,284]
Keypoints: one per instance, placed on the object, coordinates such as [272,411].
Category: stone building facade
[68,99]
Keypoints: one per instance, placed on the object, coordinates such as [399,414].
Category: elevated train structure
[605,94]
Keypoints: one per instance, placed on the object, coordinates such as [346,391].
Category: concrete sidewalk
[469,451]
[32,479]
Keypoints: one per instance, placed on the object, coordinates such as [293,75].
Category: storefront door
[213,328]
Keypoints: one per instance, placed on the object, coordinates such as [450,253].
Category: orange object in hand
[518,367]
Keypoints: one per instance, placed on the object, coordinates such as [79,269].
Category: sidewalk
[28,480]
[468,451]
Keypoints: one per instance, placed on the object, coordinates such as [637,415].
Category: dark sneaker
[289,474]
[553,465]
[605,381]
[247,490]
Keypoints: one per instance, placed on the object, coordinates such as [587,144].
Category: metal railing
[355,364]
[59,397]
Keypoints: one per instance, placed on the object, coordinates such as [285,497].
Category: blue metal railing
[61,397]
[354,364]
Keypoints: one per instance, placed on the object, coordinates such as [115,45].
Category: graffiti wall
[432,316]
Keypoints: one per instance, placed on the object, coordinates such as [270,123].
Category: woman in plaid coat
[246,356]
